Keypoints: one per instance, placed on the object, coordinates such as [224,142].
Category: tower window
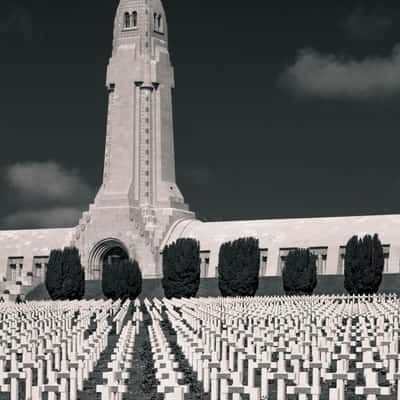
[134,19]
[127,20]
[130,20]
[158,23]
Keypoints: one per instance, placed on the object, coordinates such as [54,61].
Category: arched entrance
[108,250]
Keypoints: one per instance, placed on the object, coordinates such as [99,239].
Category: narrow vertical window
[263,261]
[321,254]
[342,255]
[386,255]
[159,23]
[127,20]
[134,19]
[155,21]
[14,268]
[205,263]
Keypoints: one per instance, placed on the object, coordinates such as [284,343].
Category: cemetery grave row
[331,347]
[326,347]
[48,349]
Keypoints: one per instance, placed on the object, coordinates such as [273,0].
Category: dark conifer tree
[239,267]
[181,269]
[65,279]
[364,263]
[299,274]
[107,283]
[134,280]
[73,276]
[121,276]
[54,274]
[122,279]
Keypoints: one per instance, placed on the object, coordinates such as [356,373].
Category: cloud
[366,24]
[18,21]
[57,217]
[45,195]
[328,76]
[47,182]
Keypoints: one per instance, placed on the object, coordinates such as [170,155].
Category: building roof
[286,233]
[36,241]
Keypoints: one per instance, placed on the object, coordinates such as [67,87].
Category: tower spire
[139,195]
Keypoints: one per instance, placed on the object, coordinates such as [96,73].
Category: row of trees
[238,270]
[363,268]
[239,264]
[65,277]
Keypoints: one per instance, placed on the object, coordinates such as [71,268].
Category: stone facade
[24,255]
[326,237]
[139,208]
[139,199]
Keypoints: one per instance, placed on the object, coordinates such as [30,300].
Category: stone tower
[139,199]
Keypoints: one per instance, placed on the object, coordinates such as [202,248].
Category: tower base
[138,231]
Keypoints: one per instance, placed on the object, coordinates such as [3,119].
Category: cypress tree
[73,276]
[350,265]
[121,274]
[107,281]
[239,267]
[54,274]
[121,280]
[134,280]
[181,269]
[364,263]
[299,274]
[65,278]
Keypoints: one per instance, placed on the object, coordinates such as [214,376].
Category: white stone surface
[31,243]
[277,234]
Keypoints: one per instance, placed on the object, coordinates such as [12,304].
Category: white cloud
[328,76]
[47,182]
[57,217]
[45,195]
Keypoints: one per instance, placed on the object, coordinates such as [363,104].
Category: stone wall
[29,244]
[278,234]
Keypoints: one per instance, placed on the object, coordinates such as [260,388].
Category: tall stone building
[139,208]
[139,199]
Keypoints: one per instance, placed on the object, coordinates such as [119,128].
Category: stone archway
[106,250]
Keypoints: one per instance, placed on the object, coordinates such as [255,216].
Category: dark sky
[282,108]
